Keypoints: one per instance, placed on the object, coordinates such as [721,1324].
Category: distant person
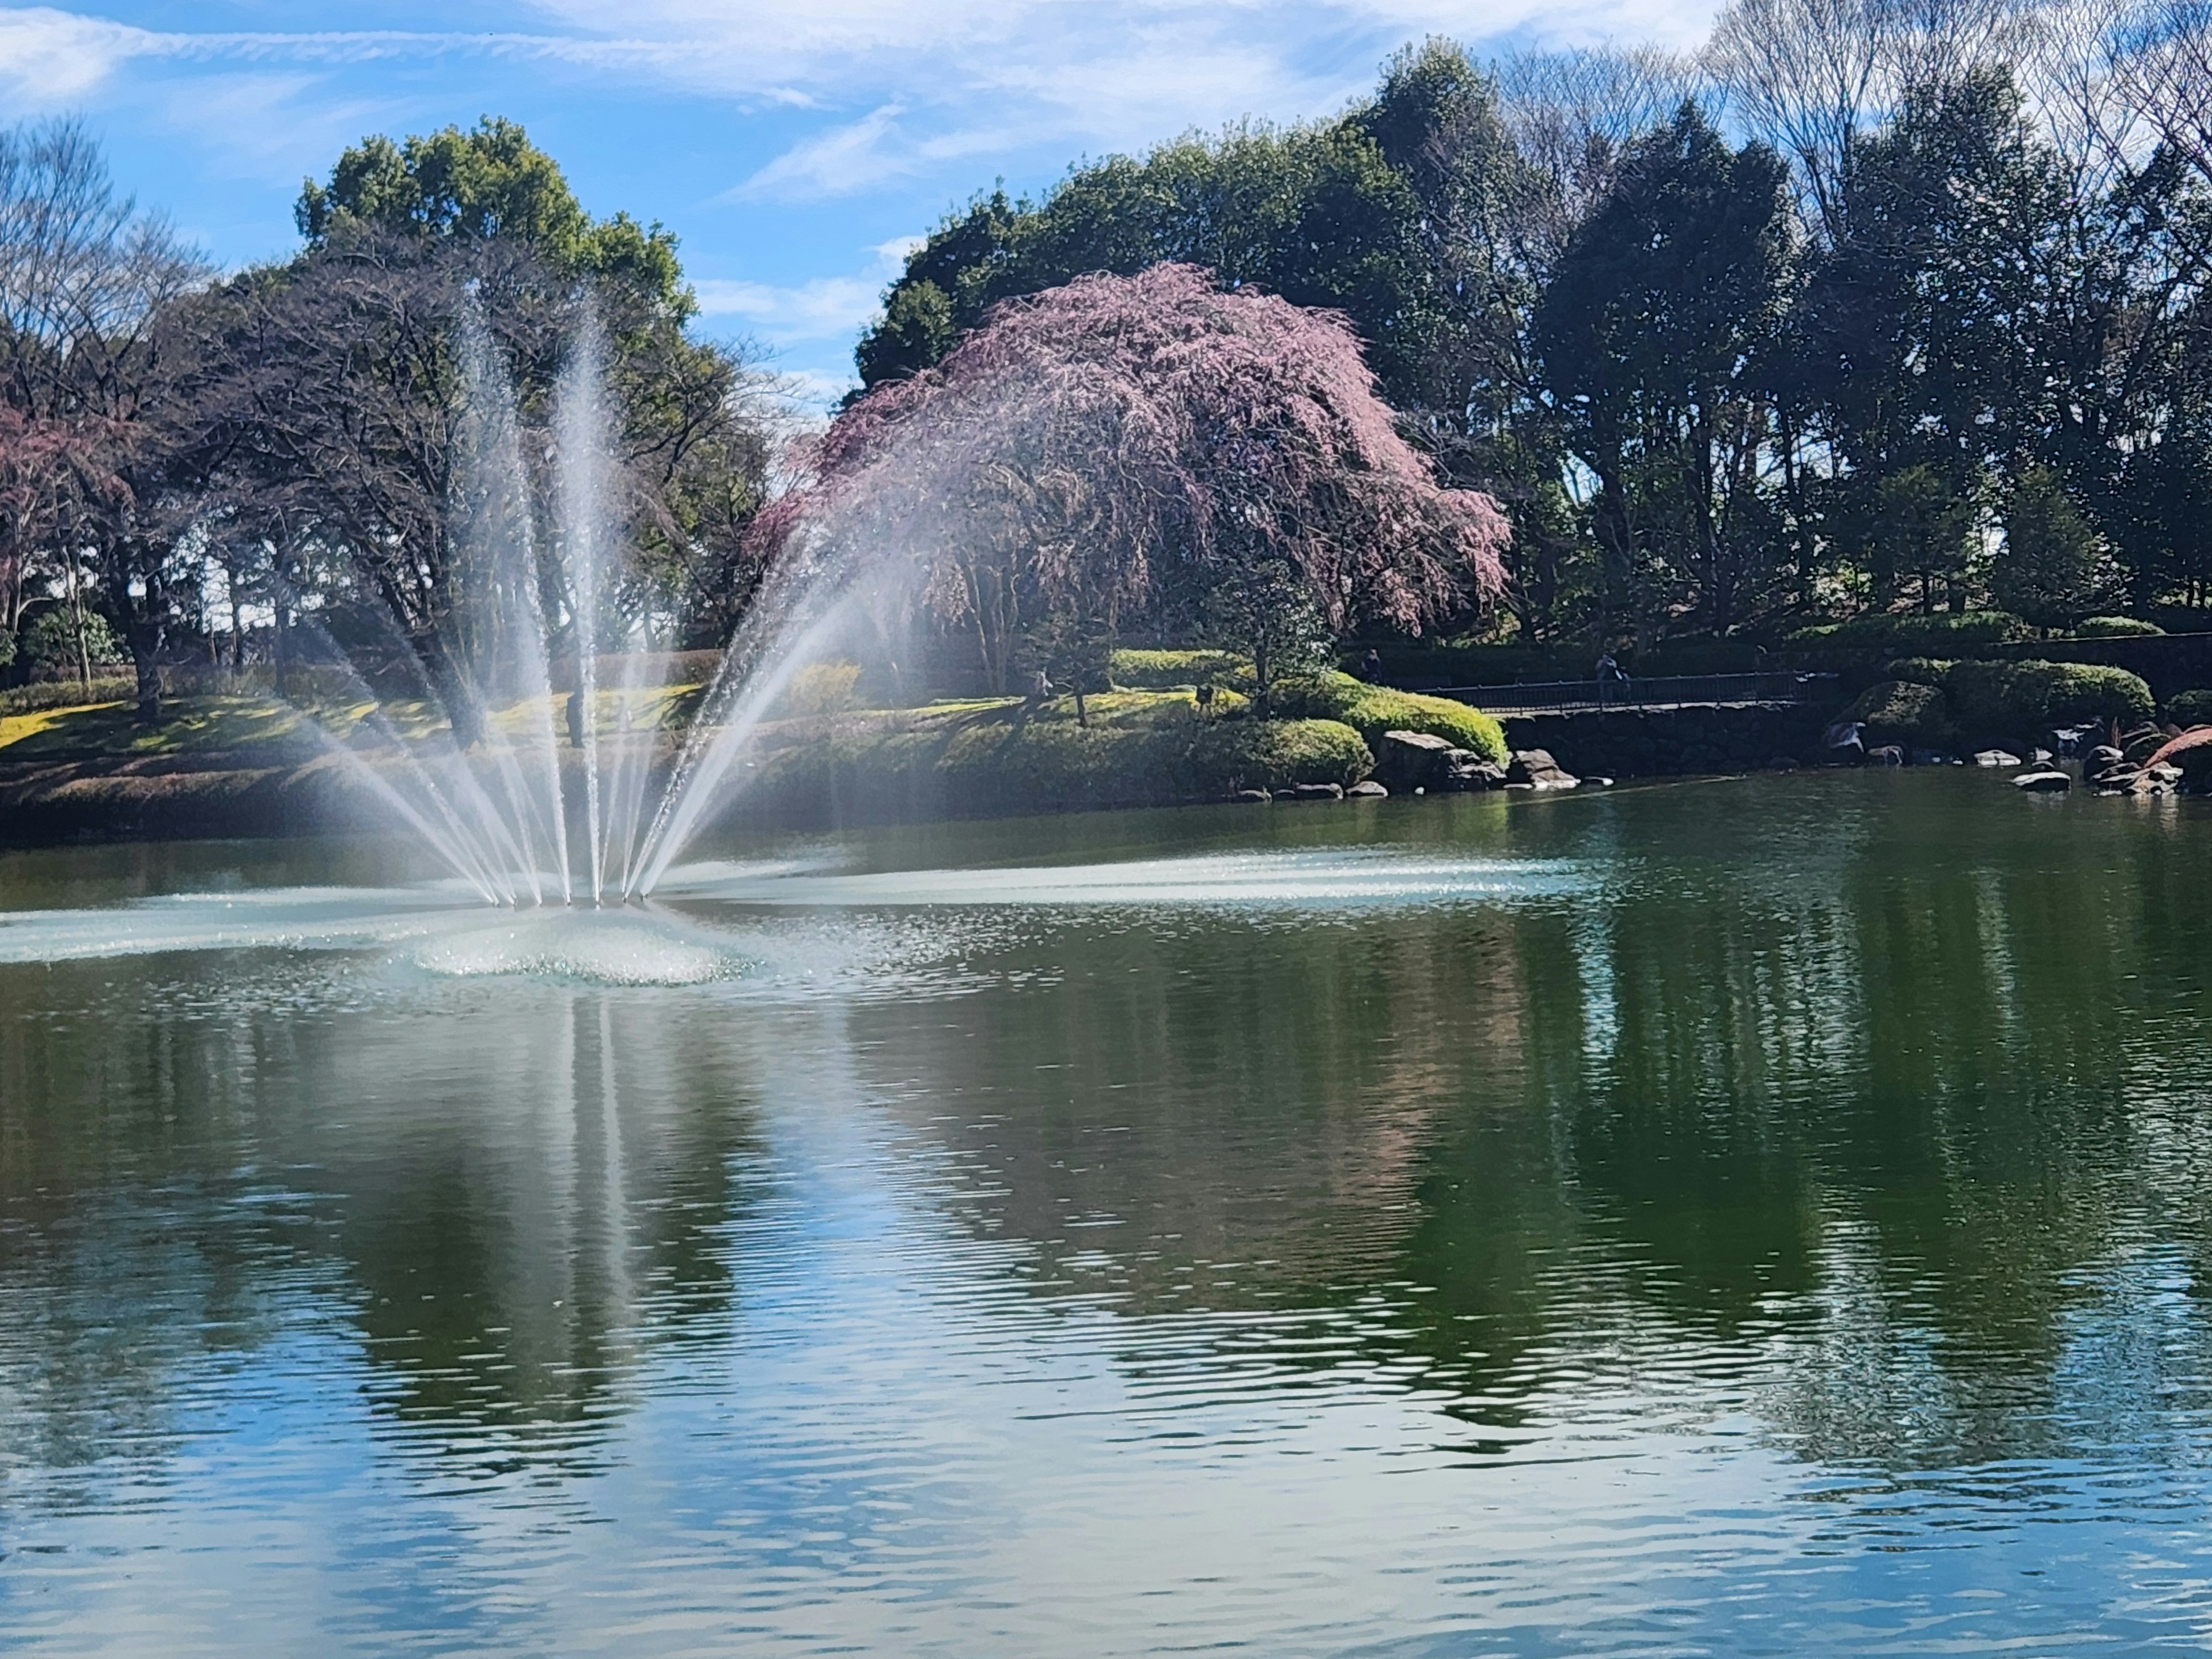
[1370,667]
[1040,687]
[1608,676]
[577,720]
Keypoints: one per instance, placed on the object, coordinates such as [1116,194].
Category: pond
[1766,1216]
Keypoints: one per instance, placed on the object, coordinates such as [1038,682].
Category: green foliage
[2023,699]
[1371,710]
[7,647]
[1657,336]
[995,762]
[822,687]
[51,648]
[2048,569]
[1953,631]
[488,181]
[1918,671]
[2115,627]
[2190,709]
[1905,712]
[1343,214]
[1163,670]
[40,696]
[1046,765]
[917,328]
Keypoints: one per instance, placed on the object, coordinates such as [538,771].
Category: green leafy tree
[481,183]
[2047,570]
[1656,337]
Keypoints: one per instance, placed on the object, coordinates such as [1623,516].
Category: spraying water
[471,762]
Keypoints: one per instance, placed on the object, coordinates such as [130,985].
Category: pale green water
[1766,1217]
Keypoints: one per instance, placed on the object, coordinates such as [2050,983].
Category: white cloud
[50,59]
[821,309]
[939,82]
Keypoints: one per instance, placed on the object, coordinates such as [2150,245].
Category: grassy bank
[236,764]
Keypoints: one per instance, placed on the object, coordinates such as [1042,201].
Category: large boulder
[1366,789]
[1413,760]
[1996,757]
[2048,781]
[1534,769]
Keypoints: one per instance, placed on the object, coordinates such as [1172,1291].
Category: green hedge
[1906,712]
[65,694]
[998,765]
[1371,710]
[2025,699]
[1919,635]
[2116,628]
[1920,671]
[2190,709]
[1162,671]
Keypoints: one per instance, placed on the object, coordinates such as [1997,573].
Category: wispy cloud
[1089,73]
[821,309]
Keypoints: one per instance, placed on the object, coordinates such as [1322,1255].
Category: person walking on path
[1608,676]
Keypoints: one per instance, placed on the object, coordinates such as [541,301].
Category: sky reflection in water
[1763,1218]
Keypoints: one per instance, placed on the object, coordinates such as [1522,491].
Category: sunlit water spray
[533,787]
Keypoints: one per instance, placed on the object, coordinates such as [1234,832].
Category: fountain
[483,785]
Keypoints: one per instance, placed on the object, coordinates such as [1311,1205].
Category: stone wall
[1632,744]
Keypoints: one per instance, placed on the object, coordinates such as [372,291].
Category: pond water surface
[1755,1217]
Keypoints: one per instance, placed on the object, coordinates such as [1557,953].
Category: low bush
[1920,671]
[1905,712]
[2006,699]
[2190,709]
[1161,671]
[1913,635]
[42,694]
[2116,628]
[1371,710]
[996,762]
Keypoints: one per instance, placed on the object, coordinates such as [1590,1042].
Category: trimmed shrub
[2001,700]
[1905,712]
[1920,671]
[1162,671]
[2116,628]
[43,695]
[1919,635]
[2190,709]
[870,767]
[1371,710]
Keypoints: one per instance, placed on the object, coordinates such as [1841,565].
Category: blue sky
[795,146]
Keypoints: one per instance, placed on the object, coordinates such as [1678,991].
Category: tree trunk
[146,662]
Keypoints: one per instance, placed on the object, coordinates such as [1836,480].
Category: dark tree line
[1869,305]
[196,466]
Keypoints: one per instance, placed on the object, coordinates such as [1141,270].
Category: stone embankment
[1637,743]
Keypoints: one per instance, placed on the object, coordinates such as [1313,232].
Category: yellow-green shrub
[1371,710]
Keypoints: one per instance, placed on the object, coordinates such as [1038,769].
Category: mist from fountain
[481,783]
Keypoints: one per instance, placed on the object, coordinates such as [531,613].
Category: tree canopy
[1109,455]
[485,183]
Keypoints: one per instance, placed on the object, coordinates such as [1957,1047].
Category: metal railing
[1777,686]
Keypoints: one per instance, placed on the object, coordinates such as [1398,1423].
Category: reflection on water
[1765,1217]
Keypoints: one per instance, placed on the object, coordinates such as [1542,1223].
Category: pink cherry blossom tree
[1130,451]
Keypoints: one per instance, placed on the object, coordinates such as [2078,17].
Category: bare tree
[2162,60]
[86,284]
[1573,114]
[1811,78]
